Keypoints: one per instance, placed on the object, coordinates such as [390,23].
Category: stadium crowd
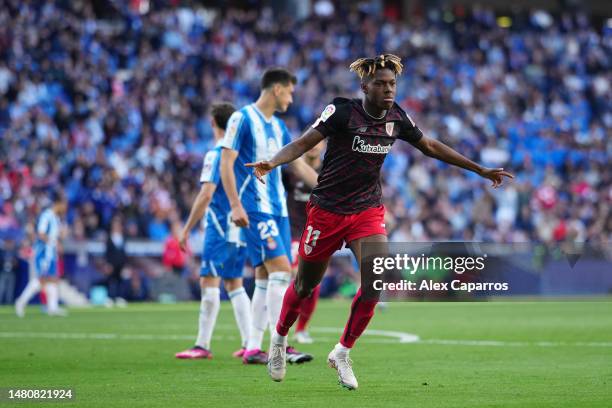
[115,111]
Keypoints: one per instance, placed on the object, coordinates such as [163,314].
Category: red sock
[362,311]
[306,309]
[290,310]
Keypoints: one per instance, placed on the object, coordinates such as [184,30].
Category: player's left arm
[198,209]
[410,133]
[438,150]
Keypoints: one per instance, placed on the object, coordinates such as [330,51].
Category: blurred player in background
[224,253]
[298,194]
[48,229]
[346,205]
[253,134]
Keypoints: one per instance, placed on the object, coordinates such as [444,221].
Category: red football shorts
[325,231]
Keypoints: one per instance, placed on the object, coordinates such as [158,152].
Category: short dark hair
[277,76]
[221,113]
[57,195]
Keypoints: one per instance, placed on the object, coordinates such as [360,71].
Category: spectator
[173,257]
[8,270]
[116,260]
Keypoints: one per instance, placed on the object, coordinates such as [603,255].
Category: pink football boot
[255,356]
[194,353]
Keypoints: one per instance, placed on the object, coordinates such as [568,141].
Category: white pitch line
[496,343]
[95,336]
[396,338]
[401,337]
[172,337]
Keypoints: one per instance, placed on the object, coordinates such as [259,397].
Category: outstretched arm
[288,153]
[438,150]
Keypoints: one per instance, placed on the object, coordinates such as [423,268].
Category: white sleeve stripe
[209,166]
[234,126]
[234,138]
[410,119]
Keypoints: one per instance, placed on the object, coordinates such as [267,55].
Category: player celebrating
[346,205]
[253,134]
[298,194]
[224,254]
[45,258]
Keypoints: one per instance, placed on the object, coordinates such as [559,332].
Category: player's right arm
[197,211]
[329,122]
[288,153]
[228,178]
[231,143]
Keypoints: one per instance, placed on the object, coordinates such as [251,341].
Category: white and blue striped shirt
[255,139]
[48,224]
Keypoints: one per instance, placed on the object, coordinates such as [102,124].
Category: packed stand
[113,107]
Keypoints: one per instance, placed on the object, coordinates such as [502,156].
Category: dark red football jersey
[357,145]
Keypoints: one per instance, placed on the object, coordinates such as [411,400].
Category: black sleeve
[409,132]
[334,117]
[286,178]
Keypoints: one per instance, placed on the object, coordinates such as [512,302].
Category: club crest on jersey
[272,147]
[389,128]
[271,244]
[307,249]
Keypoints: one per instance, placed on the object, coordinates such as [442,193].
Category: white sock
[29,292]
[242,312]
[209,309]
[278,339]
[52,290]
[341,349]
[259,315]
[278,282]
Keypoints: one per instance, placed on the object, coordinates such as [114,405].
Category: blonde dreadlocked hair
[365,67]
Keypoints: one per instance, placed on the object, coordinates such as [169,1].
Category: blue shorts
[267,237]
[221,258]
[45,268]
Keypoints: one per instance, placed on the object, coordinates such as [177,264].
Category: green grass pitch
[493,354]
